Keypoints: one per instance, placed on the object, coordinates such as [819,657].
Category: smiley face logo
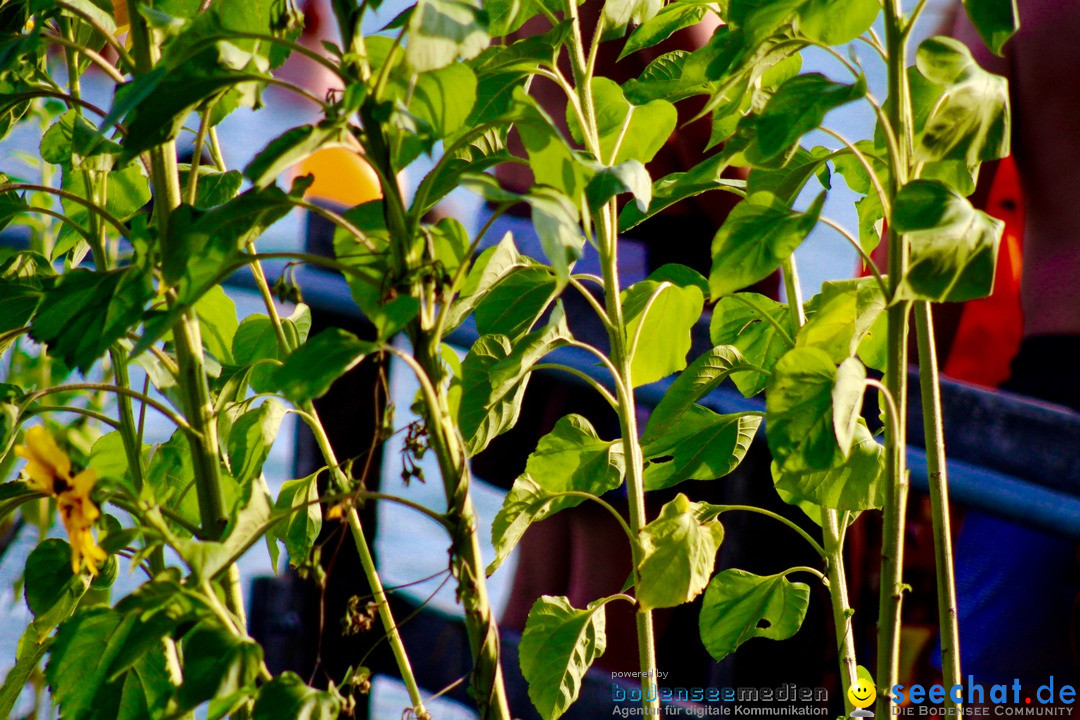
[862,693]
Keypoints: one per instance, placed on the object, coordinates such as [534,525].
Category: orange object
[120,15]
[990,329]
[342,177]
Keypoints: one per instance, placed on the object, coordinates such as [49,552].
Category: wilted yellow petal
[45,460]
[335,512]
[84,482]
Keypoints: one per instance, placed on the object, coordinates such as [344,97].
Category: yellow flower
[48,468]
[49,471]
[79,514]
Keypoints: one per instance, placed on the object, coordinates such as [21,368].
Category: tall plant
[450,73]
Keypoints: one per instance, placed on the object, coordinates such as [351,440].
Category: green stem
[831,531]
[635,481]
[939,502]
[894,512]
[721,509]
[841,605]
[392,634]
[193,379]
[367,560]
[467,561]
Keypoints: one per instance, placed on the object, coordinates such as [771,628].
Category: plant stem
[841,606]
[635,483]
[894,512]
[489,688]
[939,502]
[367,561]
[193,379]
[834,550]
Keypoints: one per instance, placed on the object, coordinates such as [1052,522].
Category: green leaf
[659,317]
[756,326]
[525,504]
[514,304]
[250,439]
[760,18]
[796,108]
[799,412]
[855,485]
[493,379]
[127,191]
[205,242]
[740,606]
[108,303]
[508,373]
[555,219]
[844,315]
[487,271]
[836,22]
[702,446]
[309,372]
[256,341]
[558,646]
[573,457]
[442,31]
[13,494]
[48,577]
[679,186]
[443,99]
[146,690]
[781,186]
[996,21]
[27,661]
[154,106]
[287,697]
[101,666]
[216,663]
[663,25]
[673,76]
[626,131]
[551,159]
[630,176]
[171,477]
[369,266]
[847,399]
[247,525]
[74,142]
[678,553]
[699,379]
[754,241]
[484,414]
[953,246]
[292,147]
[214,188]
[217,322]
[620,13]
[392,317]
[569,458]
[507,16]
[301,528]
[79,662]
[970,120]
[682,276]
[451,244]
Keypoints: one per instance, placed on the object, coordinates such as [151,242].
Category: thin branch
[94,57]
[111,41]
[109,218]
[867,260]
